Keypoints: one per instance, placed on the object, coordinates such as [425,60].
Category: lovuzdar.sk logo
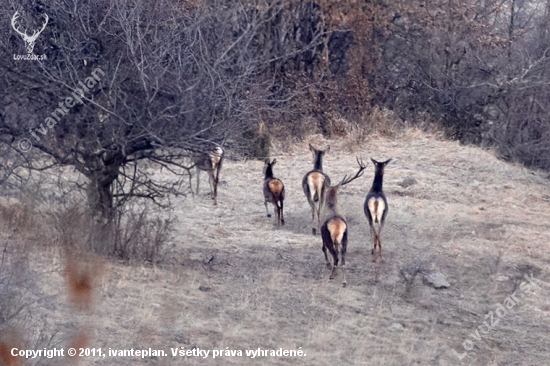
[29,39]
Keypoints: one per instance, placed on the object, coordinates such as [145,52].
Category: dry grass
[232,279]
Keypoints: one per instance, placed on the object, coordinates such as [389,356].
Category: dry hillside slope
[233,279]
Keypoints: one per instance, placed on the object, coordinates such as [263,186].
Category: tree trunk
[100,199]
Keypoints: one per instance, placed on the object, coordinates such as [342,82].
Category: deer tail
[218,169]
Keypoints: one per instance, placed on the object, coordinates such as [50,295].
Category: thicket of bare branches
[481,68]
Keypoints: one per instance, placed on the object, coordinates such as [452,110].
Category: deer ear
[387,161]
[374,161]
[266,161]
[274,162]
[311,148]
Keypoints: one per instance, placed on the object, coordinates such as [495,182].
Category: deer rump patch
[275,186]
[216,157]
[315,181]
[337,228]
[215,161]
[376,207]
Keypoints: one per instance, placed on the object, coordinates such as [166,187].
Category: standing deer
[376,207]
[211,163]
[29,40]
[335,228]
[315,184]
[274,192]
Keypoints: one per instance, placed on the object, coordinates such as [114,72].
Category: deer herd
[322,198]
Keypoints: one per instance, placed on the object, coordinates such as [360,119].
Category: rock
[435,279]
[204,288]
[396,326]
[407,182]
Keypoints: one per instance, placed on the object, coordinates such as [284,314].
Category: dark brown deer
[335,228]
[376,207]
[211,163]
[315,184]
[274,192]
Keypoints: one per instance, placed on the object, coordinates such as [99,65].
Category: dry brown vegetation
[230,278]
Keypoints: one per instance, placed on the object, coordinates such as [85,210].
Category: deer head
[29,40]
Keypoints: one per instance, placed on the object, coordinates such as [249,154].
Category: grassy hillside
[231,279]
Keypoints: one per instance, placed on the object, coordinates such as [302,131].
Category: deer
[29,40]
[376,207]
[210,162]
[315,184]
[335,228]
[274,192]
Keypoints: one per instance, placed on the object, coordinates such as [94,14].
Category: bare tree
[126,82]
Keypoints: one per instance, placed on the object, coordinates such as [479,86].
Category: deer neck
[331,202]
[268,173]
[378,181]
[318,165]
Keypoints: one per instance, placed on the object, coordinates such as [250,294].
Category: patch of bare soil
[233,280]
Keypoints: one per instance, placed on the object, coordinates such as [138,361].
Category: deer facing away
[274,192]
[376,207]
[335,228]
[211,163]
[315,184]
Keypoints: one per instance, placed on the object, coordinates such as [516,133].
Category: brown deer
[335,228]
[376,207]
[210,162]
[274,192]
[315,184]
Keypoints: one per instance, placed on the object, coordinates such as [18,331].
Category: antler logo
[29,40]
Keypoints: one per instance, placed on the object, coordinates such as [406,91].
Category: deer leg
[266,209]
[211,183]
[278,212]
[373,236]
[313,230]
[343,253]
[374,245]
[319,208]
[319,216]
[215,180]
[344,282]
[213,187]
[335,266]
[279,215]
[326,256]
[375,240]
[282,215]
